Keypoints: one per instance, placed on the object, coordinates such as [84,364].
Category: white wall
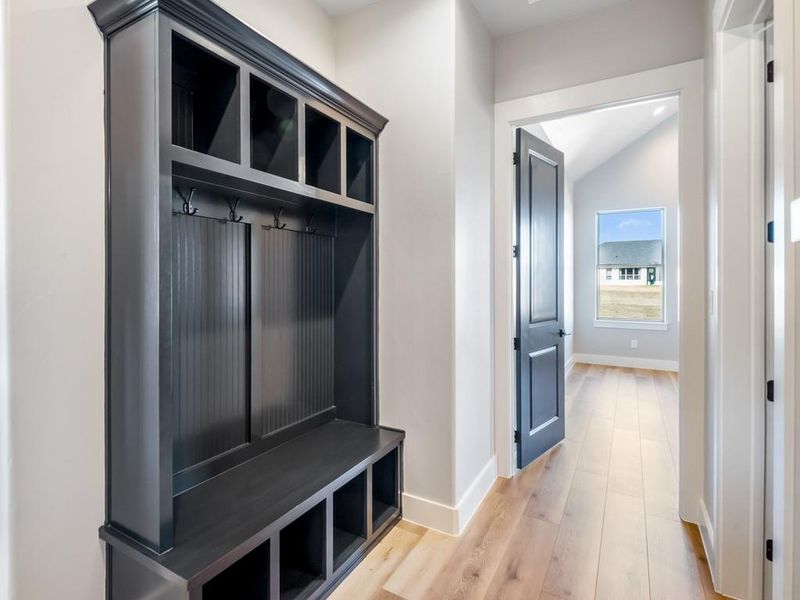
[622,39]
[5,409]
[569,270]
[398,57]
[56,284]
[300,27]
[56,299]
[643,175]
[427,66]
[474,112]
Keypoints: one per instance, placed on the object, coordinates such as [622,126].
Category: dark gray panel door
[539,344]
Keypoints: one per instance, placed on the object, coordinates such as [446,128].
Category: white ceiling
[509,16]
[501,16]
[337,8]
[590,139]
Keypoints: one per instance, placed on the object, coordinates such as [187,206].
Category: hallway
[597,517]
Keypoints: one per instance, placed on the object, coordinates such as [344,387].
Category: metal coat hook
[188,209]
[232,216]
[309,222]
[277,214]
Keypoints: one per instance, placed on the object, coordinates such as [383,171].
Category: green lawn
[630,302]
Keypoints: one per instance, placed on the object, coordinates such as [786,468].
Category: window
[627,274]
[632,243]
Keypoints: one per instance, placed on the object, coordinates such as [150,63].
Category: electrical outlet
[634,344]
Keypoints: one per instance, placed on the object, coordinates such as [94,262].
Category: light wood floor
[597,517]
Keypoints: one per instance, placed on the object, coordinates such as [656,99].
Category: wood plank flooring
[596,517]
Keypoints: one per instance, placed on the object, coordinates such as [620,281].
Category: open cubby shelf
[323,151]
[205,101]
[244,454]
[359,167]
[302,559]
[246,579]
[349,519]
[385,489]
[273,130]
[206,117]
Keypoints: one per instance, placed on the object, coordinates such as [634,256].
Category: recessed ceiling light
[533,1]
[658,110]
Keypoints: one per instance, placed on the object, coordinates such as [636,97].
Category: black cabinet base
[286,525]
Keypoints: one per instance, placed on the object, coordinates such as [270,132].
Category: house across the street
[637,262]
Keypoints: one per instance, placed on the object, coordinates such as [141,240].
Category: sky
[629,225]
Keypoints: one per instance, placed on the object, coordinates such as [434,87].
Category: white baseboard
[626,361]
[476,492]
[451,519]
[430,514]
[569,364]
[707,537]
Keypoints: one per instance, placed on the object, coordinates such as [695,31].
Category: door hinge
[768,550]
[771,390]
[516,436]
[771,232]
[516,343]
[771,71]
[516,158]
[516,251]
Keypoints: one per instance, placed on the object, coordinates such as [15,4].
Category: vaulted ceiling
[591,138]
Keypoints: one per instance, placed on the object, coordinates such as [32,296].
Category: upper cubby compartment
[359,167]
[323,152]
[273,130]
[205,101]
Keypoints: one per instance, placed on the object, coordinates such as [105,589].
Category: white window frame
[661,325]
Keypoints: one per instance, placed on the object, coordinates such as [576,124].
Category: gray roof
[642,253]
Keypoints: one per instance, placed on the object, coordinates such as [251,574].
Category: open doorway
[625,406]
[597,284]
[602,188]
[621,232]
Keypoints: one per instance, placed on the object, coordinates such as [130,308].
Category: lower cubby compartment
[302,554]
[246,579]
[349,519]
[385,487]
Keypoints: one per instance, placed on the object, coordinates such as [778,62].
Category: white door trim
[685,80]
[736,350]
[786,451]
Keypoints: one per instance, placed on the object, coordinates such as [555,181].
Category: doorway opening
[597,258]
[597,263]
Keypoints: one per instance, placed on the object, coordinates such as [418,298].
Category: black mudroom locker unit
[244,457]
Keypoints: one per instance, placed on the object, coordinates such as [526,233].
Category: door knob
[563,333]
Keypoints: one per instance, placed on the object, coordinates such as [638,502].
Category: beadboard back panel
[210,339]
[297,335]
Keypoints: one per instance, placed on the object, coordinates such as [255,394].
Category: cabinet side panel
[129,580]
[354,319]
[134,445]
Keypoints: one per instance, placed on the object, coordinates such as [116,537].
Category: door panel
[544,387]
[539,343]
[544,242]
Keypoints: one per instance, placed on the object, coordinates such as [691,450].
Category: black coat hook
[188,209]
[309,222]
[232,216]
[277,214]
